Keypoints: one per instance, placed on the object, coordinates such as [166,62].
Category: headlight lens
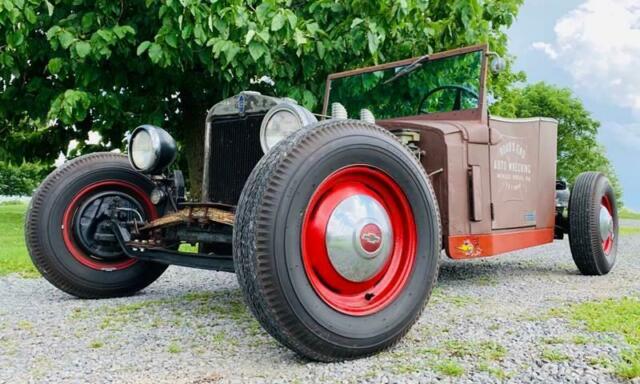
[143,155]
[151,149]
[281,121]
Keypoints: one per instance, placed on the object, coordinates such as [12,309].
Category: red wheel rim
[68,229]
[608,239]
[374,291]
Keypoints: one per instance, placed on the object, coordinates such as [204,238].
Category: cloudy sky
[592,47]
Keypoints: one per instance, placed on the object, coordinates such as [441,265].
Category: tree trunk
[192,127]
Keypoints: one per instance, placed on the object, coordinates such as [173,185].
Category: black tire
[44,228]
[267,241]
[592,255]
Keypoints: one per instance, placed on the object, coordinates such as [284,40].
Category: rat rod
[334,228]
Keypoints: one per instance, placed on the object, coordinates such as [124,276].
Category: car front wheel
[68,227]
[337,240]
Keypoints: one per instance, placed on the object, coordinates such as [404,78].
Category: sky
[592,47]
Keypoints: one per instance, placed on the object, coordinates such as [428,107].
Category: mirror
[498,64]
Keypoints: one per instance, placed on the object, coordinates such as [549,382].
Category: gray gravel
[490,317]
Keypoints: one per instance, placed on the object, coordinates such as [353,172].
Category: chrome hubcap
[606,224]
[359,237]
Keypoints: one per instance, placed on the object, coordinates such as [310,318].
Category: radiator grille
[235,150]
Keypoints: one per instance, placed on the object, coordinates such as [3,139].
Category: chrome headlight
[151,149]
[281,121]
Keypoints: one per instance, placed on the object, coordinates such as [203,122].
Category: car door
[513,155]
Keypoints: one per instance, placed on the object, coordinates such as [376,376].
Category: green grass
[95,344]
[626,213]
[619,316]
[496,372]
[174,348]
[627,231]
[554,356]
[485,350]
[13,252]
[449,368]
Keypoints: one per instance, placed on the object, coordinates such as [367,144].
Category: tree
[578,147]
[71,66]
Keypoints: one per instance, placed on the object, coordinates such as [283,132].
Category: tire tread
[255,274]
[38,254]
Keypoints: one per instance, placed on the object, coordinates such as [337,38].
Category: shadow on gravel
[461,271]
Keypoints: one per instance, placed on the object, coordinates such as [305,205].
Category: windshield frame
[478,113]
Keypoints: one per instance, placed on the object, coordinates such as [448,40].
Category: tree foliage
[578,147]
[71,66]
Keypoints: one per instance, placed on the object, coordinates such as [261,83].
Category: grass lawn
[626,213]
[13,252]
[625,231]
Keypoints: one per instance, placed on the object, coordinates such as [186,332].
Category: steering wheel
[457,104]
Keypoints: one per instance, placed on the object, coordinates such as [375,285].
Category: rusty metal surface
[199,214]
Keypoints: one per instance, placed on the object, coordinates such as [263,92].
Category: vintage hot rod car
[335,227]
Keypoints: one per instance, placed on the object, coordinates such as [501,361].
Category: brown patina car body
[494,177]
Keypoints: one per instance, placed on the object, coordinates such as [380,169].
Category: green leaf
[122,30]
[155,52]
[256,50]
[231,52]
[15,39]
[88,20]
[249,36]
[221,27]
[321,49]
[187,31]
[278,22]
[172,40]
[372,39]
[299,37]
[143,47]
[264,35]
[313,28]
[261,11]
[30,15]
[293,19]
[66,39]
[308,99]
[83,49]
[357,21]
[198,33]
[52,32]
[106,35]
[54,65]
[49,7]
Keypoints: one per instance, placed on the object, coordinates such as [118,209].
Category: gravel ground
[489,317]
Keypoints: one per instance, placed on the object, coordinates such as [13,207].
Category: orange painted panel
[473,246]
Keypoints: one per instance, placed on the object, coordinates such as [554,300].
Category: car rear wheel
[336,241]
[68,232]
[593,224]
